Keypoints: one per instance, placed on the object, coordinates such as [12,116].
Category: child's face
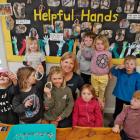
[88,41]
[67,65]
[135,103]
[34,46]
[31,79]
[4,79]
[57,79]
[130,65]
[99,45]
[86,95]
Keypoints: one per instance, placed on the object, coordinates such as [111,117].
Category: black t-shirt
[76,82]
[6,110]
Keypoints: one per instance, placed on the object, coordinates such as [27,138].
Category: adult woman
[69,66]
[74,81]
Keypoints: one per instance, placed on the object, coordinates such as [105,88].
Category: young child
[100,66]
[28,103]
[87,111]
[8,87]
[128,81]
[59,100]
[33,56]
[129,118]
[84,64]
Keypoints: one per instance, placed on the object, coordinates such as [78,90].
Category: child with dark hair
[8,89]
[84,64]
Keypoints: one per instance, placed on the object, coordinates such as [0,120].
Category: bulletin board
[59,25]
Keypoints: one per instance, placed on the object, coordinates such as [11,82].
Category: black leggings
[119,106]
[124,136]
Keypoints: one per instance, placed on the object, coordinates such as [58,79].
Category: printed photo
[86,26]
[95,4]
[59,26]
[53,3]
[5,9]
[47,28]
[67,33]
[68,3]
[83,3]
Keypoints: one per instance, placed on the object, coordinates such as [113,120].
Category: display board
[59,24]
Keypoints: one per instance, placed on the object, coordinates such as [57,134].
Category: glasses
[38,75]
[4,74]
[49,85]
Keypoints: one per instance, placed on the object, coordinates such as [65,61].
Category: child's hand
[101,104]
[28,103]
[47,91]
[110,75]
[12,77]
[82,46]
[54,122]
[40,69]
[59,118]
[119,67]
[116,129]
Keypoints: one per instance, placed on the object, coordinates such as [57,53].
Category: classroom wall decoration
[59,24]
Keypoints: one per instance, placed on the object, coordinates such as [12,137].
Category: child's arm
[68,109]
[98,115]
[18,107]
[48,99]
[116,128]
[138,82]
[120,119]
[75,114]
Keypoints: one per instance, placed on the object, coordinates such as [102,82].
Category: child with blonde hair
[100,66]
[33,56]
[87,111]
[58,100]
[28,103]
[129,118]
[128,81]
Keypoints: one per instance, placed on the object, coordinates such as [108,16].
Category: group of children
[30,100]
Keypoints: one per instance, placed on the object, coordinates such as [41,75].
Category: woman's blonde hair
[104,39]
[70,55]
[90,88]
[22,76]
[29,41]
[56,70]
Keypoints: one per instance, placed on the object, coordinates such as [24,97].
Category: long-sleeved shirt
[60,104]
[87,114]
[130,119]
[35,112]
[126,84]
[7,114]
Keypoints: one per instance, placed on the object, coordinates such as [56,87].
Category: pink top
[100,62]
[87,114]
[130,119]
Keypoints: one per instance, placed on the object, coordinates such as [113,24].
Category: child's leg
[86,78]
[103,81]
[119,106]
[95,83]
